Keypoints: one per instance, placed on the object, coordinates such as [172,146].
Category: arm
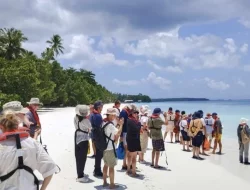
[46,182]
[119,126]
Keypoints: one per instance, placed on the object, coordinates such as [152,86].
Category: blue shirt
[96,120]
[124,115]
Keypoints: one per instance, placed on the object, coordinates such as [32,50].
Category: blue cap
[177,111]
[157,111]
[214,113]
[200,111]
[98,104]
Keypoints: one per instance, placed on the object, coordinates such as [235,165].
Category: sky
[161,48]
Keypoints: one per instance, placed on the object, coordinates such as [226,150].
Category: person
[209,127]
[155,125]
[117,106]
[32,115]
[83,127]
[133,140]
[124,114]
[218,133]
[203,132]
[243,133]
[184,128]
[144,132]
[176,130]
[196,132]
[96,121]
[91,109]
[32,157]
[170,124]
[109,155]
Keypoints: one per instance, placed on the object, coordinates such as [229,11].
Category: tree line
[24,75]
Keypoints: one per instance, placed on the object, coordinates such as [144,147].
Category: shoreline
[223,171]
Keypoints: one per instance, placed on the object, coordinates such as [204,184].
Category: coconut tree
[56,44]
[11,43]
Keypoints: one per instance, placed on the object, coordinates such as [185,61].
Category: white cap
[243,121]
[82,110]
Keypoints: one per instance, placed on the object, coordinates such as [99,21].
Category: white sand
[216,171]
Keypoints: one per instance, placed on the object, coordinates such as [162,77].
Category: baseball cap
[157,111]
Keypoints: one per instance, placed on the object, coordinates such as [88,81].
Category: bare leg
[153,157]
[220,146]
[134,163]
[105,173]
[112,178]
[141,156]
[157,158]
[129,161]
[165,135]
[215,146]
[93,147]
[197,151]
[172,134]
[125,156]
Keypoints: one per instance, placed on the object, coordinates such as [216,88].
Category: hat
[243,121]
[82,110]
[214,114]
[16,107]
[184,116]
[145,109]
[157,111]
[98,104]
[111,111]
[209,114]
[34,101]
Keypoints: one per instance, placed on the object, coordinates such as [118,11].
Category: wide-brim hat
[82,110]
[243,121]
[145,109]
[111,111]
[16,107]
[209,114]
[34,101]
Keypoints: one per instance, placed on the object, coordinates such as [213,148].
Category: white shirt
[110,129]
[144,119]
[203,124]
[170,118]
[183,125]
[209,125]
[84,125]
[34,156]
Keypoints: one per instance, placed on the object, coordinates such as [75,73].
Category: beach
[217,171]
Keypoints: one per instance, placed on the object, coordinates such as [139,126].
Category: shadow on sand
[120,187]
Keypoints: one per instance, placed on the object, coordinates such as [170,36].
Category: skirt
[158,145]
[144,141]
[133,145]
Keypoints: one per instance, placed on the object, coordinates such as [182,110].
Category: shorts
[124,136]
[209,136]
[144,141]
[185,136]
[218,137]
[170,128]
[109,158]
[198,139]
[158,145]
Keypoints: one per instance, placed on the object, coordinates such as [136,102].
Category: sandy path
[214,172]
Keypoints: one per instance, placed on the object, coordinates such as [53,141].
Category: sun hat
[16,107]
[209,114]
[243,121]
[34,101]
[157,111]
[98,104]
[111,111]
[82,110]
[145,109]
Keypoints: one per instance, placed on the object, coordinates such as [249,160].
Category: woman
[155,125]
[243,133]
[196,132]
[184,128]
[83,127]
[144,132]
[33,157]
[133,140]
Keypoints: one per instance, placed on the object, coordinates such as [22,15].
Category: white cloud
[241,83]
[205,51]
[244,48]
[173,69]
[217,85]
[106,42]
[158,81]
[126,83]
[245,22]
[246,68]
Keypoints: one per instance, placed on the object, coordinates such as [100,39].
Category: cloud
[241,83]
[217,85]
[126,83]
[106,42]
[244,48]
[173,69]
[205,51]
[245,22]
[246,68]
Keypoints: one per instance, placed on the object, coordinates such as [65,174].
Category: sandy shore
[215,172]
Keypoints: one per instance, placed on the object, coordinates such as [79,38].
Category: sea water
[230,112]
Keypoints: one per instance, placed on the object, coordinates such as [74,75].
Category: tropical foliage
[24,75]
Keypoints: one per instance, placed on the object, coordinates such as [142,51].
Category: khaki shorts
[109,158]
[144,141]
[170,128]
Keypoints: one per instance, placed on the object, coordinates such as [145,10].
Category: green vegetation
[24,75]
[135,98]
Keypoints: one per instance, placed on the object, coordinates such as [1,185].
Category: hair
[117,102]
[9,121]
[80,118]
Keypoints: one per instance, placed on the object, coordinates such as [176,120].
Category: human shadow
[120,187]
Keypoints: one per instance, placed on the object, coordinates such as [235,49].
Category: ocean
[230,112]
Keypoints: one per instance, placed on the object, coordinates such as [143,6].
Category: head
[214,115]
[157,111]
[117,104]
[243,121]
[17,108]
[177,112]
[170,109]
[98,105]
[196,115]
[134,113]
[209,115]
[144,110]
[82,111]
[184,117]
[35,103]
[111,114]
[201,113]
[183,112]
[8,122]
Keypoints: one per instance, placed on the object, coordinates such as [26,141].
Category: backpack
[244,137]
[101,139]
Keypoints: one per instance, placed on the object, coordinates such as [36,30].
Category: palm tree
[56,44]
[88,76]
[11,43]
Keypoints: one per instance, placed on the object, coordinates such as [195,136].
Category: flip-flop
[158,167]
[152,165]
[188,150]
[135,176]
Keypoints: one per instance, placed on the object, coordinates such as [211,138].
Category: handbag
[120,152]
[88,148]
[206,145]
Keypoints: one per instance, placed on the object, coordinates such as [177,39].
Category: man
[204,132]
[124,114]
[32,115]
[117,105]
[91,109]
[109,157]
[217,132]
[177,120]
[96,121]
[209,127]
[170,124]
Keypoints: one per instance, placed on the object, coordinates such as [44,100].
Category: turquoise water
[230,112]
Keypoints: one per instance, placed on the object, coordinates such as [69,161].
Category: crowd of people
[131,128]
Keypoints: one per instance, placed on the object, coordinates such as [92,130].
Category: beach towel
[120,152]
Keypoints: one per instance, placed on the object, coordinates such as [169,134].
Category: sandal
[158,167]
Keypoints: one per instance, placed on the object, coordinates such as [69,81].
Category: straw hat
[82,110]
[243,121]
[34,101]
[16,107]
[111,111]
